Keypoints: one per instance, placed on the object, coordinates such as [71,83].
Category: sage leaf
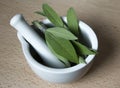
[72,21]
[82,49]
[62,47]
[40,13]
[62,59]
[62,33]
[81,60]
[52,15]
[39,25]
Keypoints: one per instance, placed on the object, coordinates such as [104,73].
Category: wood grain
[102,15]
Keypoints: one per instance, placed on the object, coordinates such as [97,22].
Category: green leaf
[62,47]
[40,13]
[52,15]
[72,21]
[62,33]
[39,25]
[81,60]
[62,59]
[82,49]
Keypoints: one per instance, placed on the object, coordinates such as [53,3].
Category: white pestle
[19,23]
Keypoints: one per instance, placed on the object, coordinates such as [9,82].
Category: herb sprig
[63,41]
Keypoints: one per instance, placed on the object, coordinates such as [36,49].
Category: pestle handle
[19,23]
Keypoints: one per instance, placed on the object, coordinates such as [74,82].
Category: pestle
[19,23]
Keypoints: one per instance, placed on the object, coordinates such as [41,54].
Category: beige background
[102,15]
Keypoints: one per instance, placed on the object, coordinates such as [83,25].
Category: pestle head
[15,19]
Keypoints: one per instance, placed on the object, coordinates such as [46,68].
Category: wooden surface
[102,15]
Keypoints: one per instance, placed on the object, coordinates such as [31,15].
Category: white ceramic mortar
[63,75]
